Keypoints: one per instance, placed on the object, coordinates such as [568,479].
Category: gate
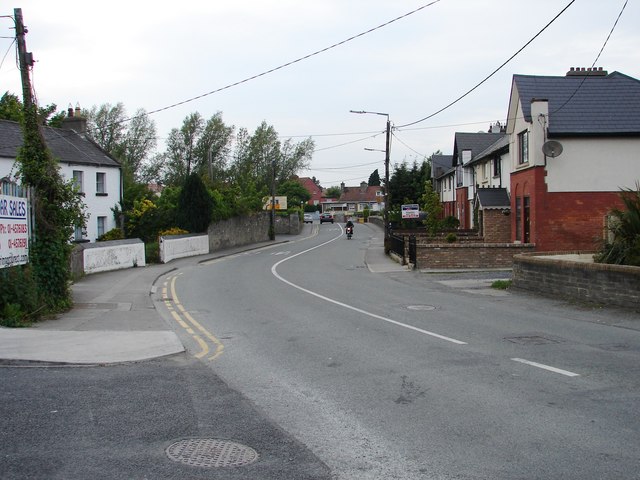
[413,250]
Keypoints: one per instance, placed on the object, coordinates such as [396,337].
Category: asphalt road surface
[407,375]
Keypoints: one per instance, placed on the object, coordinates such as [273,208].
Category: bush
[172,231]
[152,252]
[19,302]
[113,234]
[451,238]
[450,223]
[624,248]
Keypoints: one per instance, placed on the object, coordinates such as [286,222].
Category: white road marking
[546,367]
[350,307]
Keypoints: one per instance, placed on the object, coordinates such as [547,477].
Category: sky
[156,54]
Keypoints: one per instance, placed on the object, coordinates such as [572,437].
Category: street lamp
[386,170]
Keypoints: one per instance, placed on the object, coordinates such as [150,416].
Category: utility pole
[272,229]
[25,59]
[387,154]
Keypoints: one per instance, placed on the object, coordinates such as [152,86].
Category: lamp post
[386,171]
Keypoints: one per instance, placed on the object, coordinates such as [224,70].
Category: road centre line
[351,307]
[546,367]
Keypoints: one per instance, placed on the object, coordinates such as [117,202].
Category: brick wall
[561,221]
[496,227]
[468,255]
[615,285]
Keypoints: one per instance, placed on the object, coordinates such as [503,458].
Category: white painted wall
[172,247]
[97,205]
[113,255]
[595,165]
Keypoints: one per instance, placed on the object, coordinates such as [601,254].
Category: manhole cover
[209,452]
[421,307]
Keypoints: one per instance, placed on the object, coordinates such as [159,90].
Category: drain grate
[210,452]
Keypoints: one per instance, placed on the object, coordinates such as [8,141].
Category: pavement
[115,320]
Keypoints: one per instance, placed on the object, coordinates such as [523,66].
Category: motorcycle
[349,231]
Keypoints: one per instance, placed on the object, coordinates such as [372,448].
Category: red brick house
[313,188]
[574,143]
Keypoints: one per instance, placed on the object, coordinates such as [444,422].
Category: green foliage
[57,207]
[501,284]
[430,204]
[194,205]
[374,179]
[450,223]
[113,234]
[333,192]
[172,231]
[19,301]
[294,191]
[624,248]
[152,252]
[451,237]
[11,109]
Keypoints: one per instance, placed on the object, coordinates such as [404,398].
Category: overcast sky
[153,54]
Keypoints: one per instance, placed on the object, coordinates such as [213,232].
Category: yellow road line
[219,347]
[203,346]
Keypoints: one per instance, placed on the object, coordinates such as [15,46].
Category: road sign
[14,231]
[411,211]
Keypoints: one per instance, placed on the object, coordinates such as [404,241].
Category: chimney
[74,120]
[342,187]
[496,128]
[586,72]
[363,187]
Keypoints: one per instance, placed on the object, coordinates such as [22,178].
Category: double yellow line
[206,340]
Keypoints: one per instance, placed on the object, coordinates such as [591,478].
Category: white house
[97,174]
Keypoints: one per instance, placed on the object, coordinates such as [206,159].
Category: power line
[292,62]
[492,73]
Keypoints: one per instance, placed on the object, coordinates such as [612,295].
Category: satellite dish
[551,148]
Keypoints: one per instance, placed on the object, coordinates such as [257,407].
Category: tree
[294,191]
[11,109]
[213,149]
[194,205]
[130,141]
[430,204]
[374,179]
[333,192]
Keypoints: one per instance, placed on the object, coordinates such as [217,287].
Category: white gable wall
[98,205]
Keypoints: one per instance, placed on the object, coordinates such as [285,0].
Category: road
[406,375]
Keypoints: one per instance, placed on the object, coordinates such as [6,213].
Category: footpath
[107,391]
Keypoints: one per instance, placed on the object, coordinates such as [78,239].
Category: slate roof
[440,164]
[357,194]
[476,142]
[493,198]
[584,105]
[502,144]
[65,145]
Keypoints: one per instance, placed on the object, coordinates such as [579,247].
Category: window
[102,221]
[496,167]
[523,147]
[78,180]
[79,233]
[101,183]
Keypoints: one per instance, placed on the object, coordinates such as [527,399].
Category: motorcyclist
[349,225]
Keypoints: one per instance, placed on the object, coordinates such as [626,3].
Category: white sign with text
[14,231]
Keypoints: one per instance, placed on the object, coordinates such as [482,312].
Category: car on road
[308,218]
[326,217]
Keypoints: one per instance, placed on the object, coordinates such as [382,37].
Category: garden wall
[468,255]
[178,246]
[564,275]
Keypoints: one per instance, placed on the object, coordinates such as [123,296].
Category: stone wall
[468,255]
[238,231]
[560,275]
